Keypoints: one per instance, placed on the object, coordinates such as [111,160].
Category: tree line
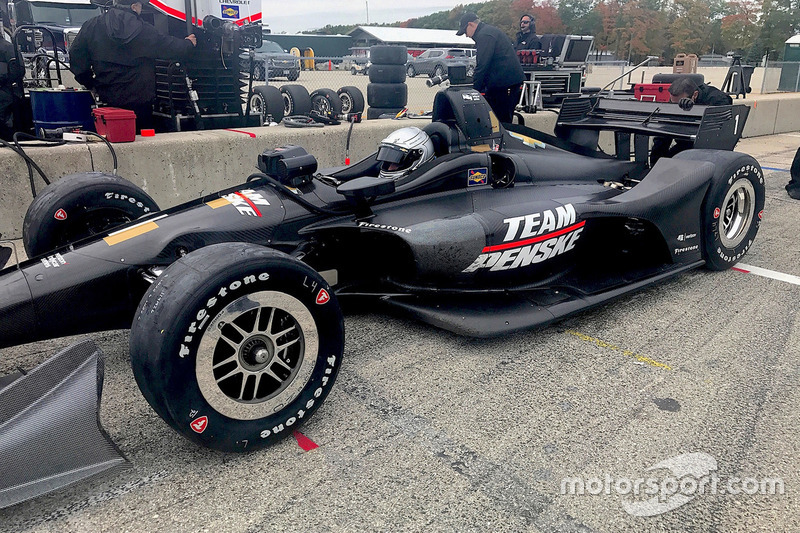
[633,29]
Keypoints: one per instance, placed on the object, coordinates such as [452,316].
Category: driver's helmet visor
[393,158]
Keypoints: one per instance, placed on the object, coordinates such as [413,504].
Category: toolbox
[652,92]
[115,124]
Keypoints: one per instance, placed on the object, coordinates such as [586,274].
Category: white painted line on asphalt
[771,274]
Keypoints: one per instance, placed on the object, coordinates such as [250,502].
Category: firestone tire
[732,208]
[326,102]
[352,99]
[385,54]
[237,345]
[387,94]
[81,205]
[387,73]
[296,100]
[268,101]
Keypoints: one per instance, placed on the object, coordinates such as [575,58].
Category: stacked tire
[387,91]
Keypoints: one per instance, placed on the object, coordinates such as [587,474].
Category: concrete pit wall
[177,167]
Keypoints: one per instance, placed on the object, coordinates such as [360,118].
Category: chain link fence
[337,72]
[781,76]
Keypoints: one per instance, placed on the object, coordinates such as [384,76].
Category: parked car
[273,61]
[435,61]
[357,61]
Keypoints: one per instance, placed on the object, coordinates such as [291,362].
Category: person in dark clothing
[793,187]
[498,74]
[114,55]
[685,92]
[12,71]
[526,36]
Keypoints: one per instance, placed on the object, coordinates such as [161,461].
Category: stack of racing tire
[387,92]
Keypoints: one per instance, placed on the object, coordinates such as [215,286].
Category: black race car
[233,300]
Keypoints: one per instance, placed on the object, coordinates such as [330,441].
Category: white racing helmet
[403,151]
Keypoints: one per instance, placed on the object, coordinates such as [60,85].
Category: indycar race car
[233,300]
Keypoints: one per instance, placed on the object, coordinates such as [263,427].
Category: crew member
[114,55]
[12,71]
[685,92]
[498,74]
[793,187]
[526,36]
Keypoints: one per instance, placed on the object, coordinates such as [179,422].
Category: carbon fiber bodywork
[499,232]
[50,433]
[489,216]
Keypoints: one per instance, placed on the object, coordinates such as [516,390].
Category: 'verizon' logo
[532,239]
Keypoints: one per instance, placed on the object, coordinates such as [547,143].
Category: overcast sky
[299,15]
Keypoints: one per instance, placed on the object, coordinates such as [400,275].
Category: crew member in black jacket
[685,92]
[498,74]
[526,36]
[12,71]
[114,54]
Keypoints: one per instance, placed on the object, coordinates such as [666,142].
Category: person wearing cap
[114,55]
[526,36]
[498,74]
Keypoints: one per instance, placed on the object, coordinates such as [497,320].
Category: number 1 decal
[736,125]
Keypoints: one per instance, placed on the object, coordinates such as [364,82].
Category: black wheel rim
[256,355]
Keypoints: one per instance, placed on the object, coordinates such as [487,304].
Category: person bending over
[685,92]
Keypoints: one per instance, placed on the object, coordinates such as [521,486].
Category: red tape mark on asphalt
[252,135]
[304,442]
[740,270]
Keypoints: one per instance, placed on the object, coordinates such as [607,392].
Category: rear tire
[387,94]
[352,99]
[410,72]
[268,101]
[384,54]
[81,205]
[387,73]
[732,208]
[296,100]
[236,345]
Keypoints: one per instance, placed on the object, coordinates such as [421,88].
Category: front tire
[326,102]
[236,345]
[81,205]
[732,208]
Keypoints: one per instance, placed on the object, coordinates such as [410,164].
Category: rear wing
[717,127]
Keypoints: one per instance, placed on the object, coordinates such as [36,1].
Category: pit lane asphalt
[427,431]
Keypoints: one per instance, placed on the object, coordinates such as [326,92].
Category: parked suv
[435,61]
[270,57]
